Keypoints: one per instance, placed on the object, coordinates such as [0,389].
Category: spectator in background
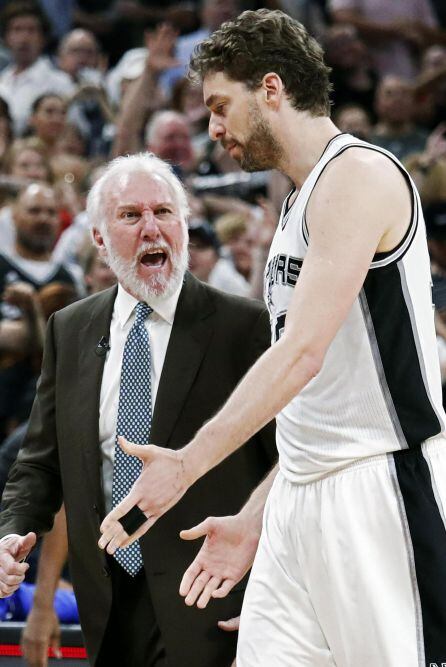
[236,235]
[6,133]
[428,168]
[79,57]
[28,159]
[168,135]
[394,107]
[430,89]
[353,77]
[24,29]
[47,120]
[213,14]
[25,161]
[37,225]
[207,265]
[395,32]
[98,274]
[353,119]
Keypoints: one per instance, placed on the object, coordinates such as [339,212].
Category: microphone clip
[102,347]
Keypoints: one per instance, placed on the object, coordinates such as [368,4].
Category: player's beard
[158,287]
[261,151]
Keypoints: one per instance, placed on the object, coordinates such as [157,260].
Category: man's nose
[149,227]
[216,128]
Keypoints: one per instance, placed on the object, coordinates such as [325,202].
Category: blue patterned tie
[134,421]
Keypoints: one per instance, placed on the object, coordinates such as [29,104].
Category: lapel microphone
[102,347]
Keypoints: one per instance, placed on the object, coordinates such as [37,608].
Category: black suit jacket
[214,340]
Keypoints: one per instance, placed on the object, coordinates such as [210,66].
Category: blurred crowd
[83,82]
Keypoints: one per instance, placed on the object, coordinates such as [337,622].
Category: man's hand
[223,560]
[161,45]
[20,294]
[42,630]
[13,549]
[161,484]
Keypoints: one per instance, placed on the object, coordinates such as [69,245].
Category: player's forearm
[253,508]
[277,377]
[53,556]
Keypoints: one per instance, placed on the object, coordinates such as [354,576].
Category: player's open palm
[225,557]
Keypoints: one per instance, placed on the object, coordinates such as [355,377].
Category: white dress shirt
[21,89]
[158,325]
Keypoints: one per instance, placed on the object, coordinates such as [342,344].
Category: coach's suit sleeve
[259,342]
[33,493]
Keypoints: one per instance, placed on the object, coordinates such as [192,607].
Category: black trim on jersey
[392,338]
[57,274]
[286,204]
[413,214]
[428,537]
[378,256]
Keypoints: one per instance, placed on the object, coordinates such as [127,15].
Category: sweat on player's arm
[361,221]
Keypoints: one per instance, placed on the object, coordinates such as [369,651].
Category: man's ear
[99,242]
[272,88]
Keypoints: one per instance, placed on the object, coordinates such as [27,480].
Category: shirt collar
[125,304]
[39,66]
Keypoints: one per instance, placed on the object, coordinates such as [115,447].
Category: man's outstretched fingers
[197,588]
[189,577]
[140,532]
[224,589]
[206,595]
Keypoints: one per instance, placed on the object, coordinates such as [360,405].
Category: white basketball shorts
[351,569]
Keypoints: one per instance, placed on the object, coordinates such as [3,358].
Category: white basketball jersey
[379,388]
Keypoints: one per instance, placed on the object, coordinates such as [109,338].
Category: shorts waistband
[431,446]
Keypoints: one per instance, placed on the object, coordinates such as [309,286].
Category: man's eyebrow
[211,100]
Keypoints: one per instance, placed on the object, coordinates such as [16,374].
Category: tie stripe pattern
[134,422]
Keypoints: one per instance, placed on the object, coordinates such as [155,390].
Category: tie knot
[142,312]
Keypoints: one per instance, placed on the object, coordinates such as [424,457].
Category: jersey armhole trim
[383,258]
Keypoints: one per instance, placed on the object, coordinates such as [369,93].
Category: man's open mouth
[155,259]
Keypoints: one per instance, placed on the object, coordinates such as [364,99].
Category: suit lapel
[91,367]
[189,339]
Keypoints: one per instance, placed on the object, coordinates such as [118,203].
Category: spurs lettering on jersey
[281,270]
[359,404]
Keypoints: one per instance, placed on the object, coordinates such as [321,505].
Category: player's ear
[272,88]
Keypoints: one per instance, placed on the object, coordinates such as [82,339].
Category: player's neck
[305,139]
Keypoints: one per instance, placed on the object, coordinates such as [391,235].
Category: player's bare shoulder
[366,186]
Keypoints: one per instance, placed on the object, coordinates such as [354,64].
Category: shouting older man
[150,360]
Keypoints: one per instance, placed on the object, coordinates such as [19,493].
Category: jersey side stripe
[400,354]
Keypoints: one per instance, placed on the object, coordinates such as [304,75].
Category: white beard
[156,288]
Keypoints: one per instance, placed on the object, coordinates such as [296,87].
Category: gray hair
[157,119]
[146,163]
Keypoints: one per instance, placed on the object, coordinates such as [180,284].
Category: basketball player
[351,564]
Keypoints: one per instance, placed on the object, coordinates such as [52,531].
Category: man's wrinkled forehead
[137,187]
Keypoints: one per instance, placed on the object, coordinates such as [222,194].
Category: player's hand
[13,549]
[162,482]
[225,557]
[42,630]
